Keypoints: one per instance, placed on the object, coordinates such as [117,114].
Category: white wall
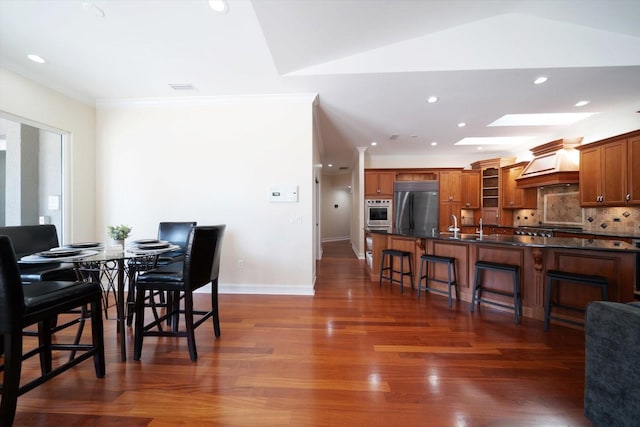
[45,108]
[214,161]
[357,207]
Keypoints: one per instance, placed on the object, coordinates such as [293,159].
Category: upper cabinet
[409,175]
[633,169]
[607,173]
[470,189]
[378,184]
[450,195]
[450,185]
[513,197]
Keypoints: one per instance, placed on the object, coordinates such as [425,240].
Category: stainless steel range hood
[554,163]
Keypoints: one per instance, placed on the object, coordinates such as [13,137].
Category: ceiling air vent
[343,168]
[182,86]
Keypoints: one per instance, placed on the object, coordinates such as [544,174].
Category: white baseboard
[257,289]
[359,254]
[334,239]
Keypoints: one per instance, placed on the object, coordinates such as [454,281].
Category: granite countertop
[516,240]
[557,228]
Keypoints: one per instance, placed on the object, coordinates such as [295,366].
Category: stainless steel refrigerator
[416,206]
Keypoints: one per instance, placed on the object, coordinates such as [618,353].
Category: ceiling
[373,63]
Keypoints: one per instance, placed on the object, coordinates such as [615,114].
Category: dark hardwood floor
[354,354]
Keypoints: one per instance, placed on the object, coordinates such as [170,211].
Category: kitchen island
[614,259]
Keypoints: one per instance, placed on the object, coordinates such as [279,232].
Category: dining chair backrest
[202,258]
[11,294]
[28,239]
[176,233]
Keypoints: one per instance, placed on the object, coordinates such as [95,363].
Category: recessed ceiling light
[489,140]
[540,80]
[581,103]
[461,124]
[90,7]
[432,99]
[540,119]
[374,143]
[182,86]
[433,144]
[330,165]
[479,148]
[36,58]
[220,6]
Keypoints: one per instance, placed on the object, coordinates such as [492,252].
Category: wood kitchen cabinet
[450,190]
[490,191]
[513,197]
[444,214]
[451,185]
[470,189]
[633,169]
[378,184]
[608,171]
[416,176]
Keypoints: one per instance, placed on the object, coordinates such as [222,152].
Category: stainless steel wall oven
[378,213]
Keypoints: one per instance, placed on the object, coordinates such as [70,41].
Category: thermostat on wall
[283,193]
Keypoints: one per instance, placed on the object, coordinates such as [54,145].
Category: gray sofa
[612,364]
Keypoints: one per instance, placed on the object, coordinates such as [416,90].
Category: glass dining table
[114,268]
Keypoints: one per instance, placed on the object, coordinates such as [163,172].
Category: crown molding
[191,101]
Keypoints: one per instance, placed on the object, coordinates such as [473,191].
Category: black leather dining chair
[176,233]
[200,267]
[39,303]
[29,239]
[173,232]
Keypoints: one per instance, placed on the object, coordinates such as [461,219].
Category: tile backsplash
[560,206]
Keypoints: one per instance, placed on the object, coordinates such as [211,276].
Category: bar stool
[452,276]
[389,255]
[514,271]
[577,278]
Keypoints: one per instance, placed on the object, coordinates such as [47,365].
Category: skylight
[540,119]
[491,140]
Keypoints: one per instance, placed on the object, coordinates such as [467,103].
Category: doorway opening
[31,175]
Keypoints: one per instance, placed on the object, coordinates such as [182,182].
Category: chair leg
[11,379]
[97,336]
[188,321]
[547,304]
[476,281]
[449,283]
[214,308]
[517,308]
[381,270]
[401,275]
[173,307]
[455,278]
[130,294]
[44,341]
[139,324]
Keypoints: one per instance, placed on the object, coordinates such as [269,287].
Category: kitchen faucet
[480,230]
[455,228]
